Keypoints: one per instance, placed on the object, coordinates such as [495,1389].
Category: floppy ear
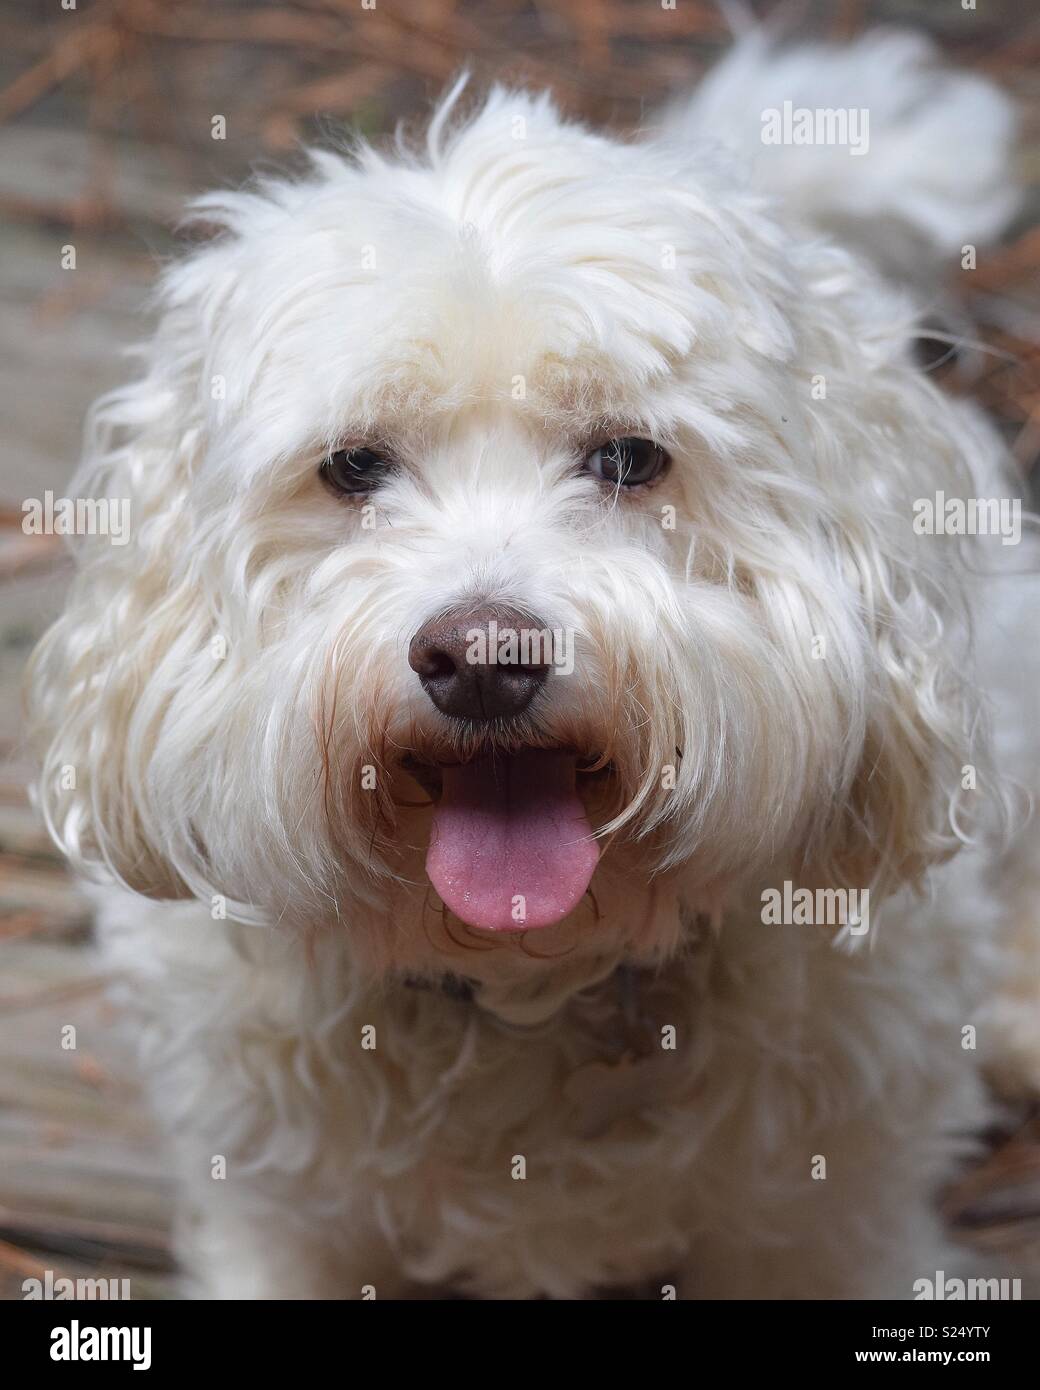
[100,680]
[92,702]
[905,810]
[889,438]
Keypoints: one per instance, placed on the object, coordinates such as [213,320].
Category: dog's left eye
[627,462]
[355,470]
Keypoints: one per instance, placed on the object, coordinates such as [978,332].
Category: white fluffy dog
[489,965]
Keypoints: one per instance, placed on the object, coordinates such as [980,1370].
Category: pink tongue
[511,845]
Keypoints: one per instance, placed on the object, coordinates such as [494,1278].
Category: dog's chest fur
[594,1148]
[620,1044]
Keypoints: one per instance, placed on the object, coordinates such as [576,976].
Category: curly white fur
[486,305]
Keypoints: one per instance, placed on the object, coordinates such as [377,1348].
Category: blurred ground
[106,121]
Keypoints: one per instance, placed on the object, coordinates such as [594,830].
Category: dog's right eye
[627,462]
[355,470]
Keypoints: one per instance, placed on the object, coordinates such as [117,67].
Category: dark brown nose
[483,663]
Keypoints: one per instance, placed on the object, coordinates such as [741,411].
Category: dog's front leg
[239,1245]
[850,1210]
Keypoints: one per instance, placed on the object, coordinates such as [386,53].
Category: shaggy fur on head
[776,680]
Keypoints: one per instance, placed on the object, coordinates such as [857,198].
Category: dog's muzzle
[511,846]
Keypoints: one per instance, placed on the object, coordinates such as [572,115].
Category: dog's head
[521,540]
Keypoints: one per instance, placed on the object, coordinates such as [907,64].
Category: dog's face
[500,574]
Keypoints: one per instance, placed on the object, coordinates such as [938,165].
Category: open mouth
[511,847]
